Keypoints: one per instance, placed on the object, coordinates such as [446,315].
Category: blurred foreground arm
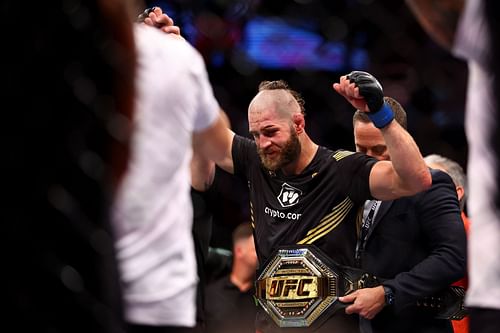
[438,18]
[209,145]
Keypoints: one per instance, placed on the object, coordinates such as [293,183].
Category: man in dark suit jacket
[416,245]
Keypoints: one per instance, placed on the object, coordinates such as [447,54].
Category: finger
[172,30]
[149,21]
[338,88]
[152,16]
[155,18]
[345,86]
[348,298]
[349,309]
[366,315]
[158,11]
[171,20]
[350,90]
[356,93]
[164,19]
[342,93]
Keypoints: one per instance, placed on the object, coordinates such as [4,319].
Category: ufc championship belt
[300,286]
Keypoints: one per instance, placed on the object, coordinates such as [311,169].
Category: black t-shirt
[228,309]
[318,206]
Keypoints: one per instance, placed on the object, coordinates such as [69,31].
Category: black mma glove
[371,90]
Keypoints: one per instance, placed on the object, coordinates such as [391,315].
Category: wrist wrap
[382,117]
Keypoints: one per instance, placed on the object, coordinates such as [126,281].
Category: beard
[288,154]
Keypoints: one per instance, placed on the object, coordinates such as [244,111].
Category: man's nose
[264,142]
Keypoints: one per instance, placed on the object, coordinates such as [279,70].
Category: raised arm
[406,174]
[212,145]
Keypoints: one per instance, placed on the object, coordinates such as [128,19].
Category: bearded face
[275,157]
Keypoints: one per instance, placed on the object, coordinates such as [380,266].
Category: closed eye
[269,132]
[379,150]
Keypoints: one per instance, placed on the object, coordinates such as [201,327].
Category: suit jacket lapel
[382,210]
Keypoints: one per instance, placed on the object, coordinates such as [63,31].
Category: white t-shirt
[152,213]
[472,44]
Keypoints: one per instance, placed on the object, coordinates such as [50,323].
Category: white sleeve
[471,40]
[207,106]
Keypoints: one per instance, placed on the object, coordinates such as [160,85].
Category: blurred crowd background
[310,44]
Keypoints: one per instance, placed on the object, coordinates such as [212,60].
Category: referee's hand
[155,17]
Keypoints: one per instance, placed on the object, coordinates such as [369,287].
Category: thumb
[347,299]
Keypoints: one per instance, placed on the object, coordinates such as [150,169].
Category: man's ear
[299,122]
[460,192]
[237,251]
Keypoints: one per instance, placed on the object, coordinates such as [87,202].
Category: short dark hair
[242,231]
[399,113]
[283,85]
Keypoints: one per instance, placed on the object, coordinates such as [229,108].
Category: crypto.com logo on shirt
[289,195]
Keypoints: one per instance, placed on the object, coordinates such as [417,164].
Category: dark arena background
[310,44]
[68,97]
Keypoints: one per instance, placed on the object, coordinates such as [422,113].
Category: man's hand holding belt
[367,302]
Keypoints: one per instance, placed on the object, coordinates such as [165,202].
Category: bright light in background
[274,44]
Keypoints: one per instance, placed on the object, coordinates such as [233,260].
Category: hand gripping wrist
[382,117]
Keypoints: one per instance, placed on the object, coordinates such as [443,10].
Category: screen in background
[267,42]
[274,44]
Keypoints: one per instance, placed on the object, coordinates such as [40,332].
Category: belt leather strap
[447,304]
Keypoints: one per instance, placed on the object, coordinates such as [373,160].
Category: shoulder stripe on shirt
[338,155]
[329,222]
